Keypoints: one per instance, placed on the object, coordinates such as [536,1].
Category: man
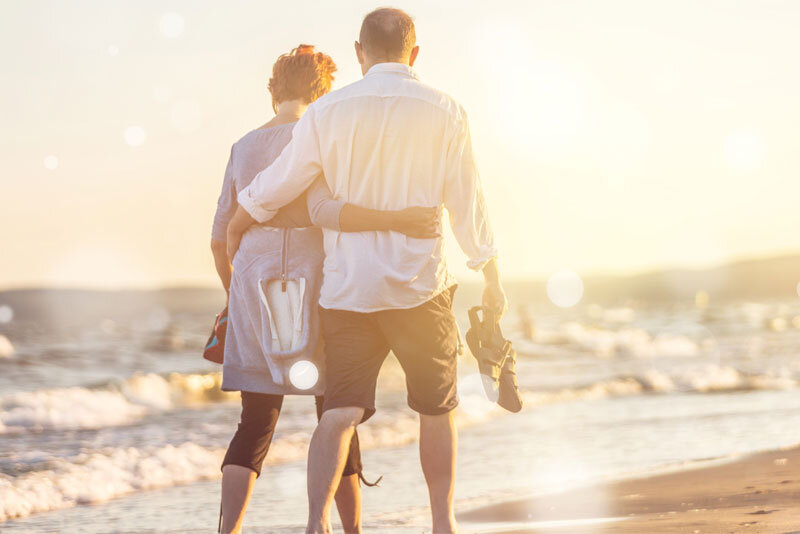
[385,142]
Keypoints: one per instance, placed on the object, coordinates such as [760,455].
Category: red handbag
[215,347]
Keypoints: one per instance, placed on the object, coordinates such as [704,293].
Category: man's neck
[368,65]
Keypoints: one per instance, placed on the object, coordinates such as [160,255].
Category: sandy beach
[758,493]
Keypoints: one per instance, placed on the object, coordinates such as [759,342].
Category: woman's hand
[238,225]
[234,239]
[418,222]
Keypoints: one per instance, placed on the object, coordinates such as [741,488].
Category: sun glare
[134,136]
[51,162]
[171,25]
[744,150]
[303,375]
[565,289]
[538,103]
[473,397]
[6,348]
[6,313]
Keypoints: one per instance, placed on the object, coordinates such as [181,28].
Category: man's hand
[238,225]
[494,297]
[418,222]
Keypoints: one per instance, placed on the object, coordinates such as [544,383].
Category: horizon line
[509,279]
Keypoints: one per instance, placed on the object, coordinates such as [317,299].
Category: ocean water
[110,421]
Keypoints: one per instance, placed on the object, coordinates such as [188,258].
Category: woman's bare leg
[237,486]
[348,502]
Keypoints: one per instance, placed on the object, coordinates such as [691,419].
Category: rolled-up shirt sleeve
[464,199]
[294,170]
[226,204]
[323,209]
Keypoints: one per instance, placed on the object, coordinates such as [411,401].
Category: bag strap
[284,258]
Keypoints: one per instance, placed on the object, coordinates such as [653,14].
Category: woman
[254,330]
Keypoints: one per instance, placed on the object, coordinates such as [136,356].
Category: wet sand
[759,493]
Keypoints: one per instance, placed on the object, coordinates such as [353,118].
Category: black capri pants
[251,441]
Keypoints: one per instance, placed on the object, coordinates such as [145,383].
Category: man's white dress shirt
[385,142]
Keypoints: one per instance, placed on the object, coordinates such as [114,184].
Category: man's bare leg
[237,486]
[327,455]
[348,502]
[438,442]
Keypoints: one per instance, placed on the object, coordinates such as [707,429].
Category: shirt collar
[392,68]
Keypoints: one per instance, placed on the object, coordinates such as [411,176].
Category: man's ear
[359,53]
[413,56]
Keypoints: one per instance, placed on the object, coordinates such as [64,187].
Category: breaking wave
[704,379]
[95,477]
[113,404]
[687,341]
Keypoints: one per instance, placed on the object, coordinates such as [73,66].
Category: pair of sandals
[497,359]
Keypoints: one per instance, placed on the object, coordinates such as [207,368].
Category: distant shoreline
[755,279]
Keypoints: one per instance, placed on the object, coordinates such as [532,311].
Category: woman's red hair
[302,74]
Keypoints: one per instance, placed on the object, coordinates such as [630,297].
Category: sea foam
[114,404]
[699,379]
[98,476]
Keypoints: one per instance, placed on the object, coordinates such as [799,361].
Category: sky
[612,137]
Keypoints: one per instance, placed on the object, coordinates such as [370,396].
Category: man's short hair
[388,34]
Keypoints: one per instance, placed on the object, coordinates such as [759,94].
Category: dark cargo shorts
[424,339]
